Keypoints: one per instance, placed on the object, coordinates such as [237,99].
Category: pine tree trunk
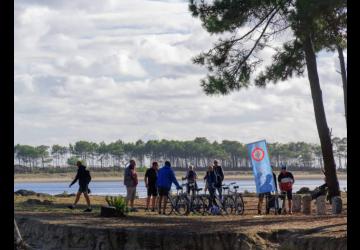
[343,77]
[320,117]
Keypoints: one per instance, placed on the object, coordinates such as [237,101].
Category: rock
[38,202]
[336,204]
[296,203]
[43,195]
[304,190]
[306,203]
[64,194]
[24,192]
[33,202]
[320,205]
[109,211]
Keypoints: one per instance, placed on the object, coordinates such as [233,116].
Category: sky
[114,70]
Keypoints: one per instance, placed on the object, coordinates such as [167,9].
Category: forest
[199,152]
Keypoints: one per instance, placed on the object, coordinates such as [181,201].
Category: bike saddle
[236,187]
[225,187]
[199,189]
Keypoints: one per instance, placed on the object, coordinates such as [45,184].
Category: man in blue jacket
[164,181]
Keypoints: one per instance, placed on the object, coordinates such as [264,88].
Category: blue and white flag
[260,162]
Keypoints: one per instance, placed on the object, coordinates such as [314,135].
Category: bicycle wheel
[229,205]
[182,205]
[206,205]
[170,205]
[239,206]
[197,205]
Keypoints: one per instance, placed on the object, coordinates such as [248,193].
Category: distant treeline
[199,152]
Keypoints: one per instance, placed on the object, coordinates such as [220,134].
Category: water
[117,187]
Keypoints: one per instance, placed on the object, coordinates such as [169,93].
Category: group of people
[158,183]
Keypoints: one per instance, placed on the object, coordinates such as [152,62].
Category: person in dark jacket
[191,177]
[210,181]
[82,177]
[164,181]
[150,183]
[219,177]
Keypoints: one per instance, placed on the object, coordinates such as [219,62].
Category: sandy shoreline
[33,178]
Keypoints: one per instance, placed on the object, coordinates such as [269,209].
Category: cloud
[122,70]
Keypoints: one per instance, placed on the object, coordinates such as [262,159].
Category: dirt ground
[57,213]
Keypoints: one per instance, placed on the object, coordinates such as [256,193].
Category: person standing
[286,181]
[262,195]
[130,181]
[191,180]
[219,177]
[164,181]
[210,181]
[84,178]
[150,183]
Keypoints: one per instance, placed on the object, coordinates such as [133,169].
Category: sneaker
[153,210]
[159,212]
[88,210]
[146,209]
[71,207]
[259,211]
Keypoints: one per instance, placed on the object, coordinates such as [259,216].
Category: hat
[283,167]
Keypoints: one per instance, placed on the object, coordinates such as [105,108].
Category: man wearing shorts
[286,181]
[164,181]
[130,181]
[83,186]
[150,183]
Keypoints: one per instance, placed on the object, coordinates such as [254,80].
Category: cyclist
[191,180]
[164,181]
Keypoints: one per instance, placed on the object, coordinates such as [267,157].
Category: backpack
[87,176]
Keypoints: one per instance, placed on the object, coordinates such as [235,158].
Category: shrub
[119,204]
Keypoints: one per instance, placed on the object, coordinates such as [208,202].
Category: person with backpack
[150,183]
[191,180]
[131,181]
[219,173]
[166,177]
[84,178]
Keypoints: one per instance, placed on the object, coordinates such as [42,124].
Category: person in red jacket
[286,181]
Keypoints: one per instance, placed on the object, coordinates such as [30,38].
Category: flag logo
[258,154]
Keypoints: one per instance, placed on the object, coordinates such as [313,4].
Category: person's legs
[147,202]
[160,200]
[289,196]
[77,198]
[153,198]
[87,199]
[165,202]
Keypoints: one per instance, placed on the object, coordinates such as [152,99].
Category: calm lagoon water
[117,187]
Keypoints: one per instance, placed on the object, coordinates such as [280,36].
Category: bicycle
[173,205]
[238,200]
[194,201]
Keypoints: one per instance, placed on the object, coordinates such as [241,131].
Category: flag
[260,163]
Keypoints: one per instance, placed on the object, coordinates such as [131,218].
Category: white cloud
[122,70]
